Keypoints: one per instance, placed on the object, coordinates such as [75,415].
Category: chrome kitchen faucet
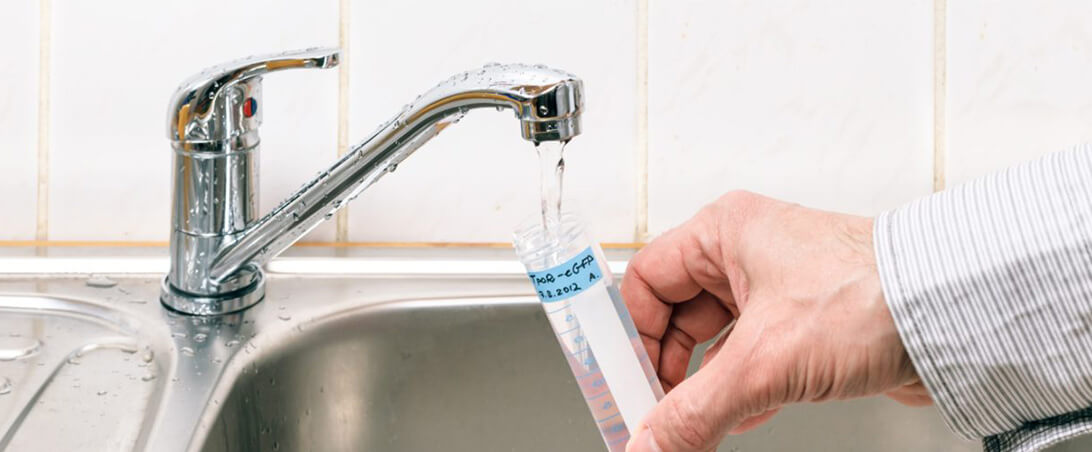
[218,240]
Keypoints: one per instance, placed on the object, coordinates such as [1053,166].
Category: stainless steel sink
[388,361]
[448,374]
[479,374]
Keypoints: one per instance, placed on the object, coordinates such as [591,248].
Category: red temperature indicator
[250,107]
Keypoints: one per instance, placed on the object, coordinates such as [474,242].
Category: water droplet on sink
[276,445]
[187,351]
[138,301]
[147,377]
[178,335]
[231,343]
[392,167]
[284,316]
[148,356]
[74,360]
[200,337]
[5,386]
[101,393]
[13,349]
[100,281]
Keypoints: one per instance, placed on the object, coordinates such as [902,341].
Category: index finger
[676,268]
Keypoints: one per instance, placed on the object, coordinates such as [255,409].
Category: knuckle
[764,376]
[738,198]
[687,425]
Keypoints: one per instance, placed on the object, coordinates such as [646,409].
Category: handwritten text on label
[567,279]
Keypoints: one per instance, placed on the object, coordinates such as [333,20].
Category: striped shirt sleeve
[990,285]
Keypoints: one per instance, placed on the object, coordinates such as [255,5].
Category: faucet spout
[547,103]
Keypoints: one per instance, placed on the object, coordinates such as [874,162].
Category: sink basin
[447,374]
[395,361]
[477,374]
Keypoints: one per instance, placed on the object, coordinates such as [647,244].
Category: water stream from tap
[551,162]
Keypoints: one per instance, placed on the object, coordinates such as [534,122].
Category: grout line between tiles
[940,75]
[41,228]
[342,226]
[641,164]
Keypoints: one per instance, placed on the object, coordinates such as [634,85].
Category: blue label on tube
[567,279]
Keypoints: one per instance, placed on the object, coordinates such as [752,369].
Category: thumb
[698,412]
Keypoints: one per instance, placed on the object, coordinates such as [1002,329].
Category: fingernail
[643,441]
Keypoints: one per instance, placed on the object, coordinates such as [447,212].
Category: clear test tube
[580,296]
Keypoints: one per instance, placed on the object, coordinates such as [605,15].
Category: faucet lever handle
[221,103]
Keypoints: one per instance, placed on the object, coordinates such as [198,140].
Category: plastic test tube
[593,327]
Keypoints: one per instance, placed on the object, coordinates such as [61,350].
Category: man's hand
[810,319]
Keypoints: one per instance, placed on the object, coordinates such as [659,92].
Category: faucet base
[235,301]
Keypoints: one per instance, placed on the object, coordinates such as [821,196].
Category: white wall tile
[828,105]
[478,179]
[114,68]
[19,120]
[1019,82]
